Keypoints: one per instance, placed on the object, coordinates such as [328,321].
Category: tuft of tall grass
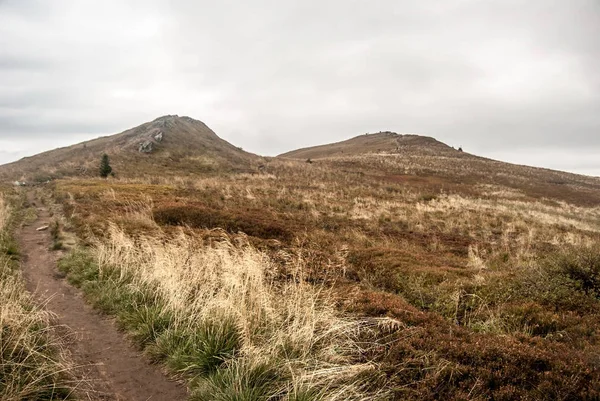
[241,379]
[5,213]
[217,314]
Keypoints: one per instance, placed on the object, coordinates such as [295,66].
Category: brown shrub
[252,222]
[433,359]
[389,269]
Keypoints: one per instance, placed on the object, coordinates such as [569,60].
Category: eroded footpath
[108,366]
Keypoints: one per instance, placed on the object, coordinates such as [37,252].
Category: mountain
[168,145]
[382,142]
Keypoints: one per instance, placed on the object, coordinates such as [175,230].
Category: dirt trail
[111,367]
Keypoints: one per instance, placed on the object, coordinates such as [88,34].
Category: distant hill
[382,142]
[166,145]
[426,162]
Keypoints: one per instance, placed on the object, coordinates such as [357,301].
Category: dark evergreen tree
[105,168]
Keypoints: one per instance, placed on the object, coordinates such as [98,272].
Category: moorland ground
[429,274]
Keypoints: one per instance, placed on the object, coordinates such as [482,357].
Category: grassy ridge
[31,366]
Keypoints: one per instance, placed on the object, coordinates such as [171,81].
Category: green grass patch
[240,380]
[145,323]
[79,267]
[197,351]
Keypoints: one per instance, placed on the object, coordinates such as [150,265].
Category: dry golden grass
[292,326]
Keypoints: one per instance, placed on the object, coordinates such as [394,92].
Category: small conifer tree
[105,168]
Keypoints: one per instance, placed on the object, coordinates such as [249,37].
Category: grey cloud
[513,78]
[52,126]
[21,63]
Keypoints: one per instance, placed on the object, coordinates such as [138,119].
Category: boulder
[158,137]
[146,146]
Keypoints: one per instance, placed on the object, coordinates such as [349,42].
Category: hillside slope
[423,163]
[167,145]
[381,142]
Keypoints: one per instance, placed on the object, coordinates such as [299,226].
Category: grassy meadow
[379,277]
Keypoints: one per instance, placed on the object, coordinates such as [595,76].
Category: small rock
[42,228]
[59,275]
[158,137]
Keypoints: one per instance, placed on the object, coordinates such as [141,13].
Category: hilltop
[382,142]
[165,146]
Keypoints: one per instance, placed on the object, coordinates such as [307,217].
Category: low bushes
[435,359]
[523,332]
[581,266]
[251,222]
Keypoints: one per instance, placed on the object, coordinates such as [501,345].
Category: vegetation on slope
[31,366]
[483,278]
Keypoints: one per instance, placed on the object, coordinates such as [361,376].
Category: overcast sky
[513,80]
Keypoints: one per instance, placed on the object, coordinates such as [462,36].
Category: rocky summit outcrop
[146,147]
[152,134]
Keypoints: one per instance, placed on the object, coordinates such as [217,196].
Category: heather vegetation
[334,280]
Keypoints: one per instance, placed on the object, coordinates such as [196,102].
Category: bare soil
[109,367]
